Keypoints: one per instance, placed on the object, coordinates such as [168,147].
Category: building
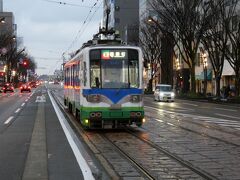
[124,18]
[1,6]
[7,27]
[8,24]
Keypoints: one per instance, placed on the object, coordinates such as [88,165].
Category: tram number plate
[116,114]
[116,106]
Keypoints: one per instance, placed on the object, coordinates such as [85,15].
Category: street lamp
[204,56]
[2,20]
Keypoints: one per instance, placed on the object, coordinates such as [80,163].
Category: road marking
[8,120]
[234,117]
[86,171]
[190,104]
[41,99]
[17,110]
[36,162]
[234,110]
[212,120]
[23,104]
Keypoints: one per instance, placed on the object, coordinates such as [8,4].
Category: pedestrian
[226,92]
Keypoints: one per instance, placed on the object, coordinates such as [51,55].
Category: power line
[82,28]
[64,3]
[45,58]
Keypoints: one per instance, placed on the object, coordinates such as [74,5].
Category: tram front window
[114,72]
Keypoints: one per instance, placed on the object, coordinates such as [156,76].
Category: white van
[164,92]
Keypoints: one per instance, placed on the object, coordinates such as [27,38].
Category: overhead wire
[65,3]
[82,28]
[87,20]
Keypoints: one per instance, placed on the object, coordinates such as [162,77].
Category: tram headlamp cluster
[135,114]
[94,98]
[95,114]
[136,98]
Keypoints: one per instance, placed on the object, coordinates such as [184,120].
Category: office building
[124,18]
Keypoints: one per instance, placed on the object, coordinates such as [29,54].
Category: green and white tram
[103,86]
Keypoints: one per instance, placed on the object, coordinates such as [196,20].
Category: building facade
[124,18]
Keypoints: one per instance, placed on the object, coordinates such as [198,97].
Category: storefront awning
[227,69]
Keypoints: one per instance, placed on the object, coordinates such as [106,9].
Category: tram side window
[75,76]
[67,77]
[71,76]
[133,68]
[95,61]
[95,73]
[84,73]
[133,73]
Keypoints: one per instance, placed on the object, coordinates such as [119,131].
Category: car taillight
[21,87]
[11,87]
[29,87]
[4,88]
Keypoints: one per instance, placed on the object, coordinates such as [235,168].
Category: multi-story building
[7,24]
[7,27]
[124,18]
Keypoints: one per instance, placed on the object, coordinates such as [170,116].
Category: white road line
[234,117]
[17,110]
[87,174]
[8,120]
[234,110]
[23,104]
[221,122]
[190,104]
[230,125]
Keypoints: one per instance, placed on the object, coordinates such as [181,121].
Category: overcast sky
[49,28]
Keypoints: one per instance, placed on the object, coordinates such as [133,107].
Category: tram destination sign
[114,54]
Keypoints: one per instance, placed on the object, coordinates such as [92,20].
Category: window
[114,69]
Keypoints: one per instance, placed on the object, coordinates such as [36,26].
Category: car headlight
[172,94]
[161,94]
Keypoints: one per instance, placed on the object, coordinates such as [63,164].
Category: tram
[103,85]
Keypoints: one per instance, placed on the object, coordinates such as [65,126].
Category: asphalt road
[34,142]
[221,114]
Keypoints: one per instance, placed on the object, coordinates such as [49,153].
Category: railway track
[132,153]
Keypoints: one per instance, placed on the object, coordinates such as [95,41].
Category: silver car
[164,92]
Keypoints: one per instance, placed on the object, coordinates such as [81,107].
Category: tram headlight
[86,121]
[136,98]
[93,98]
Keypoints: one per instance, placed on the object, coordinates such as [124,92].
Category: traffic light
[25,63]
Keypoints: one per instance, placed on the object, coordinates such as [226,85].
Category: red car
[7,87]
[25,87]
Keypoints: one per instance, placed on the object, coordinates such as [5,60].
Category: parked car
[25,87]
[164,92]
[7,87]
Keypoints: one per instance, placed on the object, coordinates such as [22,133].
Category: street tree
[189,21]
[216,39]
[12,55]
[233,53]
[151,46]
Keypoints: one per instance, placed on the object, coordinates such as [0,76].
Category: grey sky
[49,29]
